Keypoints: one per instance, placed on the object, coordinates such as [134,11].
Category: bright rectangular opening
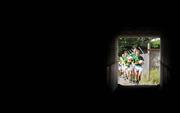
[138,60]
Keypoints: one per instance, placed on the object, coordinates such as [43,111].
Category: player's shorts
[138,68]
[120,67]
[132,66]
[127,68]
[124,67]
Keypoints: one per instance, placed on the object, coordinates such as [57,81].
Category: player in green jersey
[138,66]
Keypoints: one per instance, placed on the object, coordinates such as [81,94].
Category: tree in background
[155,44]
[129,42]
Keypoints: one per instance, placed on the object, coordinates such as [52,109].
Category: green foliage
[154,78]
[126,43]
[129,42]
[155,44]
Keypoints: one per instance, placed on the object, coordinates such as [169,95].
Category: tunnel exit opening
[138,60]
[151,47]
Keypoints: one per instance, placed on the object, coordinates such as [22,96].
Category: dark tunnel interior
[70,70]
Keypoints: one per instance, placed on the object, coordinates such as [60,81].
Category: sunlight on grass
[154,78]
